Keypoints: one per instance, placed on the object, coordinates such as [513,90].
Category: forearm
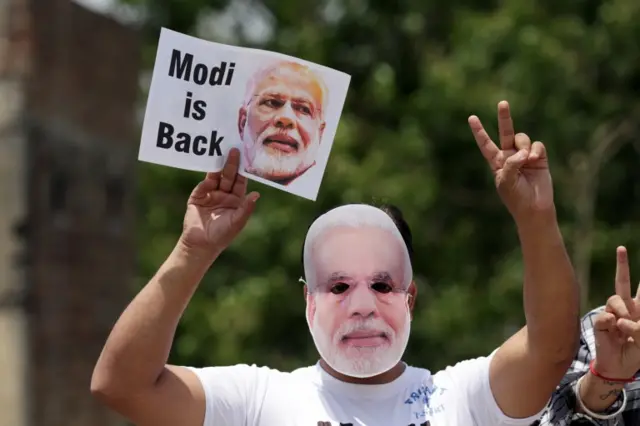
[598,394]
[138,347]
[551,294]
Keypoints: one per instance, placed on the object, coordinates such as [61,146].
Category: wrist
[610,375]
[601,383]
[194,255]
[538,221]
[539,232]
[599,398]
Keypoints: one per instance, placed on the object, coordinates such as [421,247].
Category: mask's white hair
[274,68]
[354,216]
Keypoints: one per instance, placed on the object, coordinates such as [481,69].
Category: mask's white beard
[279,165]
[361,362]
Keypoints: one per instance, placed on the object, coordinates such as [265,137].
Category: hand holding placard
[217,210]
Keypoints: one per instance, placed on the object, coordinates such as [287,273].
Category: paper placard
[205,98]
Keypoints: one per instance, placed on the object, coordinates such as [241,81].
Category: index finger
[201,191]
[488,149]
[208,184]
[623,279]
[505,126]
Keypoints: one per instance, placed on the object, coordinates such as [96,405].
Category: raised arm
[535,359]
[131,375]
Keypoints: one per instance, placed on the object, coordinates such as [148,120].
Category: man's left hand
[520,168]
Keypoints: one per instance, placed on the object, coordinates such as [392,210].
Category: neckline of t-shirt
[408,377]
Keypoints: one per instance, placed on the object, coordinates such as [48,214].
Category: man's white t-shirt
[244,395]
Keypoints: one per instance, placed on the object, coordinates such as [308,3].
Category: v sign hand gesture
[617,329]
[520,167]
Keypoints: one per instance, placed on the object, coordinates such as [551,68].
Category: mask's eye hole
[382,288]
[339,288]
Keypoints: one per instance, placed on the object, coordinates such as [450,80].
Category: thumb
[243,212]
[513,164]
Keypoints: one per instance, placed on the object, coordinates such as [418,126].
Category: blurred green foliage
[419,69]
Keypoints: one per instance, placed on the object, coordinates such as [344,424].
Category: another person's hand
[617,328]
[218,209]
[519,166]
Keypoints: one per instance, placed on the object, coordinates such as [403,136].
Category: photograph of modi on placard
[282,120]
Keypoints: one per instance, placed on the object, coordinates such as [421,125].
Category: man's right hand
[617,328]
[218,209]
[132,376]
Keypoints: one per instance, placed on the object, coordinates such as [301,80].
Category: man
[359,294]
[281,121]
[602,387]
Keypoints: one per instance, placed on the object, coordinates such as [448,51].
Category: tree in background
[419,68]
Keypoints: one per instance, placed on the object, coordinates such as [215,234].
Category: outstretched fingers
[505,126]
[488,148]
[623,277]
[621,304]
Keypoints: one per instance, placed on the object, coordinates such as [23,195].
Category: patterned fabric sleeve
[562,407]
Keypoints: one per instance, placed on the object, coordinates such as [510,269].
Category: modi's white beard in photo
[272,163]
[361,362]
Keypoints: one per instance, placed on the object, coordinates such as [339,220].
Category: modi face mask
[358,274]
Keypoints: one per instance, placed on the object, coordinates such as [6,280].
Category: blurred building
[68,145]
